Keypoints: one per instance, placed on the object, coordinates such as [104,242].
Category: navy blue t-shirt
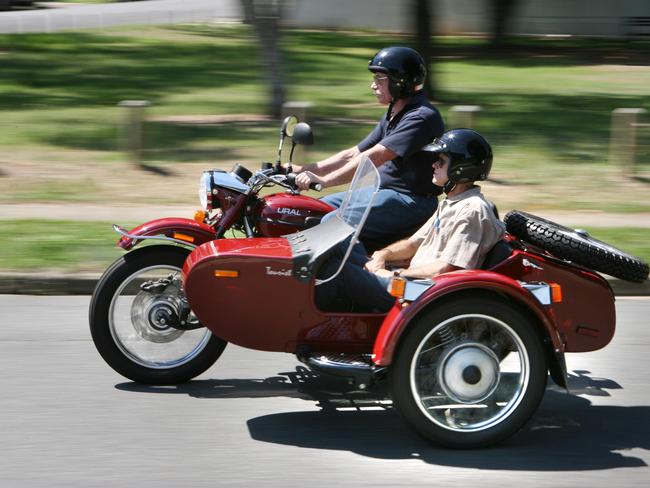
[405,134]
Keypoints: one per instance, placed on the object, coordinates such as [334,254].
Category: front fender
[398,319]
[187,231]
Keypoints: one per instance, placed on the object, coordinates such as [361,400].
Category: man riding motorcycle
[407,197]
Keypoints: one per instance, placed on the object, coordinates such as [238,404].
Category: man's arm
[429,270]
[332,163]
[378,154]
[397,251]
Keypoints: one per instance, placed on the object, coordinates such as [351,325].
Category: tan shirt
[461,232]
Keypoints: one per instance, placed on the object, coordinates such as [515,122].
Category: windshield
[312,245]
[356,203]
[356,206]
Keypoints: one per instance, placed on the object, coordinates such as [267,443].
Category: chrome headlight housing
[205,190]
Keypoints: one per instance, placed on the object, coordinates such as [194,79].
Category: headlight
[205,190]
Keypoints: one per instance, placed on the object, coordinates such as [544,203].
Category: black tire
[118,353]
[451,339]
[580,248]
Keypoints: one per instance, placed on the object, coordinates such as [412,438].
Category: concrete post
[301,111]
[132,132]
[462,116]
[622,142]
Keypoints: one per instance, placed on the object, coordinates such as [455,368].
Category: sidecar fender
[182,231]
[453,286]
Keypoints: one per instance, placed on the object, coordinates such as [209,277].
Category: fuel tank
[284,213]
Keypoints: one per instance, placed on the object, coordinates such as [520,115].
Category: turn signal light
[183,237]
[397,287]
[556,292]
[200,215]
[226,273]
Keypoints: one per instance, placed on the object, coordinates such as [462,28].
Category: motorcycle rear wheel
[126,326]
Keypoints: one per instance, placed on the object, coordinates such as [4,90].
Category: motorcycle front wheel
[140,323]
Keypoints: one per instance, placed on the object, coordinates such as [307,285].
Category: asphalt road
[255,418]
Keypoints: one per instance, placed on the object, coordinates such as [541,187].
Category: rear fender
[454,285]
[186,232]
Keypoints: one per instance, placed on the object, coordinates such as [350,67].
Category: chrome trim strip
[540,290]
[230,181]
[125,233]
[415,288]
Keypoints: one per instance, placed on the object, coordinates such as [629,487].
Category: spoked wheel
[141,323]
[469,373]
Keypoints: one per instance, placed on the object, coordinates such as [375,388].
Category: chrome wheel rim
[469,373]
[139,329]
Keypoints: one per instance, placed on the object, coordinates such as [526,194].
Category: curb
[84,284]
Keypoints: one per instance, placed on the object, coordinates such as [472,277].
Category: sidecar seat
[499,253]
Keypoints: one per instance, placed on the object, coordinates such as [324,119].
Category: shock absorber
[446,336]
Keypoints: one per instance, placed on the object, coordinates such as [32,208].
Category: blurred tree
[422,27]
[266,16]
[501,12]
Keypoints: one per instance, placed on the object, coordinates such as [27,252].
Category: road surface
[258,419]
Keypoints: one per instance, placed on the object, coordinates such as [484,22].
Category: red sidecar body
[245,291]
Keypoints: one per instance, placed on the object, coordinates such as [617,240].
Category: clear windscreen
[356,203]
[355,207]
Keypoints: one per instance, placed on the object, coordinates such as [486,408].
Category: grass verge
[546,108]
[67,246]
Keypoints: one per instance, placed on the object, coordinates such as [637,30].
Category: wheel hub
[154,317]
[162,316]
[468,372]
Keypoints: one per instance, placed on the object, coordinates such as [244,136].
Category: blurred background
[560,89]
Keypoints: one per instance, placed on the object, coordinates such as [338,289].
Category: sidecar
[466,355]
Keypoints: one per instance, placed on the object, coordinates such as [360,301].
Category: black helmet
[405,68]
[469,153]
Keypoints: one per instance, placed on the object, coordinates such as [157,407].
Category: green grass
[30,245]
[546,104]
[632,240]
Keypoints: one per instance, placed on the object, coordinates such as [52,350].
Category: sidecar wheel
[469,373]
[131,328]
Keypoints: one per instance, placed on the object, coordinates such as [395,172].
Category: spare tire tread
[567,244]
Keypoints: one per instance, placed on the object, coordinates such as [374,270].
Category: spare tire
[575,246]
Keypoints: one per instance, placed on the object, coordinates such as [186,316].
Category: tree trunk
[422,26]
[501,14]
[265,16]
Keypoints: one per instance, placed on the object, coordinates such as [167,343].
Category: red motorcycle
[466,356]
[231,202]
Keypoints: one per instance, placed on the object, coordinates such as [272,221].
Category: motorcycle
[232,201]
[465,356]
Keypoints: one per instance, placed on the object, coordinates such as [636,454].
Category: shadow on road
[566,433]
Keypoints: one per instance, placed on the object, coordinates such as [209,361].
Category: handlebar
[277,175]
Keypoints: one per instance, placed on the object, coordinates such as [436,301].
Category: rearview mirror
[302,134]
[288,125]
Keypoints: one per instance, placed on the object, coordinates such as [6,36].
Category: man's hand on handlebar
[308,180]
